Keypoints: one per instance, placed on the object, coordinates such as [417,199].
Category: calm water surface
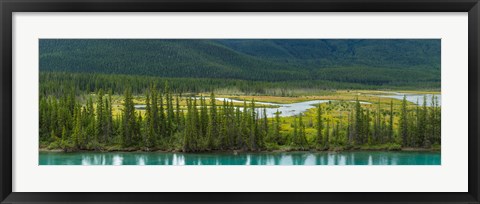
[284,158]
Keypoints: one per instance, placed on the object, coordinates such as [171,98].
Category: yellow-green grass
[379,92]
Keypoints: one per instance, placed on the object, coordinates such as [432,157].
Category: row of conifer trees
[191,124]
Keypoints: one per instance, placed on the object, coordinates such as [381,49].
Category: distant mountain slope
[337,53]
[374,62]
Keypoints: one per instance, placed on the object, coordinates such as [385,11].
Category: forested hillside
[367,62]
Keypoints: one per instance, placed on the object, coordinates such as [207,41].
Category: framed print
[257,102]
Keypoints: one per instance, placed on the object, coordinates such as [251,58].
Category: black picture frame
[7,8]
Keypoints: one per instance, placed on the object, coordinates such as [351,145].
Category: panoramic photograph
[239,102]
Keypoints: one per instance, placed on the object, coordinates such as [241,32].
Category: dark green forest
[390,63]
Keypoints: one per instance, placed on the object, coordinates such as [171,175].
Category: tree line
[57,83]
[194,124]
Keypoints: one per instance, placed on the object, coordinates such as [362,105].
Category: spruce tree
[129,120]
[245,125]
[64,139]
[403,131]
[77,130]
[302,140]
[425,137]
[238,128]
[359,131]
[187,146]
[390,125]
[253,126]
[195,123]
[319,126]
[162,118]
[327,135]
[277,127]
[109,118]
[177,113]
[150,132]
[213,123]
[265,131]
[100,125]
[155,116]
[91,134]
[295,132]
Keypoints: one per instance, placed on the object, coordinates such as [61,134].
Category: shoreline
[240,151]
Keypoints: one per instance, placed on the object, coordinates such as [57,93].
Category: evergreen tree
[155,123]
[424,136]
[129,120]
[90,118]
[150,131]
[223,126]
[277,127]
[319,126]
[337,133]
[213,123]
[163,132]
[177,114]
[188,143]
[327,134]
[366,126]
[238,129]
[377,134]
[265,131]
[390,125]
[77,134]
[245,125]
[302,140]
[169,112]
[65,139]
[204,118]
[437,121]
[253,127]
[295,131]
[403,131]
[100,127]
[359,131]
[109,119]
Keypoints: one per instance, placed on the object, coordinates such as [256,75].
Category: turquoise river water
[267,158]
